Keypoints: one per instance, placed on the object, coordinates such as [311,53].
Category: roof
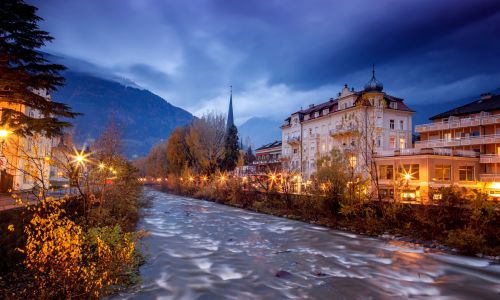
[487,102]
[332,106]
[270,145]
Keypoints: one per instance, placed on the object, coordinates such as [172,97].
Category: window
[402,143]
[294,150]
[466,173]
[401,125]
[379,143]
[392,142]
[352,161]
[386,172]
[447,136]
[442,172]
[409,170]
[391,124]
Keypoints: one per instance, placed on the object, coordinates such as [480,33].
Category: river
[203,250]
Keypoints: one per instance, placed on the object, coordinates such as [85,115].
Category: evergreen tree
[25,75]
[231,149]
[249,157]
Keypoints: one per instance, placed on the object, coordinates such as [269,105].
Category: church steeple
[230,118]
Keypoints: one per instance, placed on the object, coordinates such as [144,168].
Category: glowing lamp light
[79,158]
[101,166]
[222,178]
[4,133]
[407,176]
[245,178]
[191,179]
[204,178]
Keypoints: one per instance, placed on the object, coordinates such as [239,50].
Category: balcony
[489,177]
[427,151]
[344,130]
[489,158]
[293,140]
[267,162]
[460,123]
[460,141]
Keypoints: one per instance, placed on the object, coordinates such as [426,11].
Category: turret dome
[374,85]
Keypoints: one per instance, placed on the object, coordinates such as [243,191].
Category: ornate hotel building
[356,122]
[460,147]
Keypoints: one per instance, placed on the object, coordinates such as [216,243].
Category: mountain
[260,131]
[144,117]
[423,113]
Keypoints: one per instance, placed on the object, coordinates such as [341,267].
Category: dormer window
[393,105]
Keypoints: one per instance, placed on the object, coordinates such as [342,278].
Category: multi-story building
[359,123]
[471,128]
[24,161]
[268,158]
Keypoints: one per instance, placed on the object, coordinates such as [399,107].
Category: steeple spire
[230,118]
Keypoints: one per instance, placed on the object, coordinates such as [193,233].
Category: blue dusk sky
[280,55]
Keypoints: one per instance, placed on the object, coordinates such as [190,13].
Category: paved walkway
[8,202]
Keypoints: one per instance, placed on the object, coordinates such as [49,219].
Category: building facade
[359,123]
[25,161]
[473,128]
[268,158]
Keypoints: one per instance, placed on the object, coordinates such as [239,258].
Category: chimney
[486,96]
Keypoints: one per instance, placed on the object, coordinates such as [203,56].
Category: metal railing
[459,141]
[464,122]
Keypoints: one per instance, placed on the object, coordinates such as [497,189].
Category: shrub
[467,240]
[67,262]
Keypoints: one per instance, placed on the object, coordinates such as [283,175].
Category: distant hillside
[425,111]
[144,117]
[260,131]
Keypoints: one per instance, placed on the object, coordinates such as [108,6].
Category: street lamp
[4,133]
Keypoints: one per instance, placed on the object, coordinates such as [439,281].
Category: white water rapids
[203,250]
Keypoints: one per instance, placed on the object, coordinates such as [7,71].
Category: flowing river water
[203,250]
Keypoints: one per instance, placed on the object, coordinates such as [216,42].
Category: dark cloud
[191,51]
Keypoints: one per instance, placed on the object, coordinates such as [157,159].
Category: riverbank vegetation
[82,245]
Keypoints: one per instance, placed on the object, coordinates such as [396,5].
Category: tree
[249,157]
[205,141]
[177,151]
[26,77]
[231,149]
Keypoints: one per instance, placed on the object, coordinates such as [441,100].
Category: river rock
[282,273]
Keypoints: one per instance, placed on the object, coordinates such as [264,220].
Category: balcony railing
[489,158]
[340,129]
[427,151]
[460,141]
[267,162]
[293,140]
[460,123]
[489,177]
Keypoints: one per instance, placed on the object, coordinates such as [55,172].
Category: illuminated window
[402,143]
[352,161]
[442,172]
[411,169]
[466,173]
[386,172]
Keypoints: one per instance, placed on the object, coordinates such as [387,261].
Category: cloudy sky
[280,55]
